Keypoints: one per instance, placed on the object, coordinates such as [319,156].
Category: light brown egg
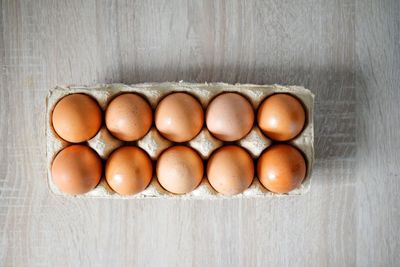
[76,169]
[230,170]
[281,168]
[128,170]
[76,118]
[179,117]
[229,117]
[128,117]
[281,117]
[179,169]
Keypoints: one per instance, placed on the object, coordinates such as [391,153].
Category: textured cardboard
[153,143]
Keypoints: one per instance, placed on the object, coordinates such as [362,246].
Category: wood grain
[378,172]
[346,52]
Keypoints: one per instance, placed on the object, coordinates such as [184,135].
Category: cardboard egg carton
[153,143]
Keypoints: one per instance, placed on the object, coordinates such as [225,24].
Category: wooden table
[346,52]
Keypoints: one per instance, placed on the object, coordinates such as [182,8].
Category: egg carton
[204,143]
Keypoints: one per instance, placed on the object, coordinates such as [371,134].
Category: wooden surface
[346,52]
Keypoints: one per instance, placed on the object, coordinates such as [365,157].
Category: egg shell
[128,170]
[281,168]
[281,117]
[76,169]
[76,118]
[230,170]
[229,117]
[179,169]
[128,117]
[255,142]
[179,117]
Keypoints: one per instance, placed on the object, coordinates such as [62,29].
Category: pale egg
[229,117]
[230,170]
[179,169]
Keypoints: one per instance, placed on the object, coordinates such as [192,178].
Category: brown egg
[230,170]
[229,117]
[179,169]
[76,118]
[179,117]
[76,169]
[129,117]
[128,170]
[281,117]
[281,168]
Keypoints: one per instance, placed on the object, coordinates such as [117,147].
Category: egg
[76,169]
[230,170]
[229,117]
[179,169]
[76,118]
[281,168]
[128,117]
[128,170]
[179,117]
[281,117]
